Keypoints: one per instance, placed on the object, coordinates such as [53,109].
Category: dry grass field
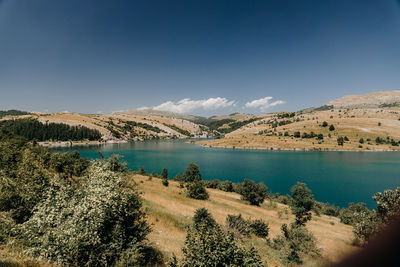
[112,126]
[170,212]
[353,123]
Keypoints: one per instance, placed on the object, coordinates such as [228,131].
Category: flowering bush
[92,224]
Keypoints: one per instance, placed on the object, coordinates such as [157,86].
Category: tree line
[32,129]
[12,112]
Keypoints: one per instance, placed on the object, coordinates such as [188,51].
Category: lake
[333,176]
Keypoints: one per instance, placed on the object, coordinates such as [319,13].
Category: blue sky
[200,57]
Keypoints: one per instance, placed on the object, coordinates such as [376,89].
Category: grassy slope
[169,212]
[101,123]
[353,123]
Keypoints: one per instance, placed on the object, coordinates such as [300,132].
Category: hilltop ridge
[353,122]
[371,100]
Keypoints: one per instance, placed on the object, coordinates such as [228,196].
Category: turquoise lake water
[335,177]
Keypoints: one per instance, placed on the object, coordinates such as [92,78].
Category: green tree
[361,141]
[331,128]
[207,244]
[324,124]
[252,192]
[192,173]
[302,204]
[164,173]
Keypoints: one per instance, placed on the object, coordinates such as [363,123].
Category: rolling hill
[353,122]
[364,122]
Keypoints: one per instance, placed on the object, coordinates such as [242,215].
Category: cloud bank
[188,105]
[264,103]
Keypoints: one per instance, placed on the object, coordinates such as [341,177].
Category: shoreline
[299,149]
[51,144]
[89,143]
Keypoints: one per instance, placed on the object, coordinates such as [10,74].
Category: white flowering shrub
[92,224]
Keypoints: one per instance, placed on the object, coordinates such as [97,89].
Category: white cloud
[187,105]
[264,103]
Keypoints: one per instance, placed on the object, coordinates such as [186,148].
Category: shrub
[141,255]
[259,228]
[286,199]
[165,182]
[388,206]
[207,245]
[330,210]
[213,183]
[142,171]
[324,124]
[227,186]
[197,190]
[295,243]
[302,204]
[93,224]
[340,141]
[379,140]
[6,225]
[353,213]
[331,128]
[296,134]
[252,192]
[361,141]
[237,225]
[178,178]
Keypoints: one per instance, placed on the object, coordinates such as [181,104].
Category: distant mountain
[371,100]
[234,116]
[158,113]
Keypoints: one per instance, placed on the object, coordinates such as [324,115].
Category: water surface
[333,176]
